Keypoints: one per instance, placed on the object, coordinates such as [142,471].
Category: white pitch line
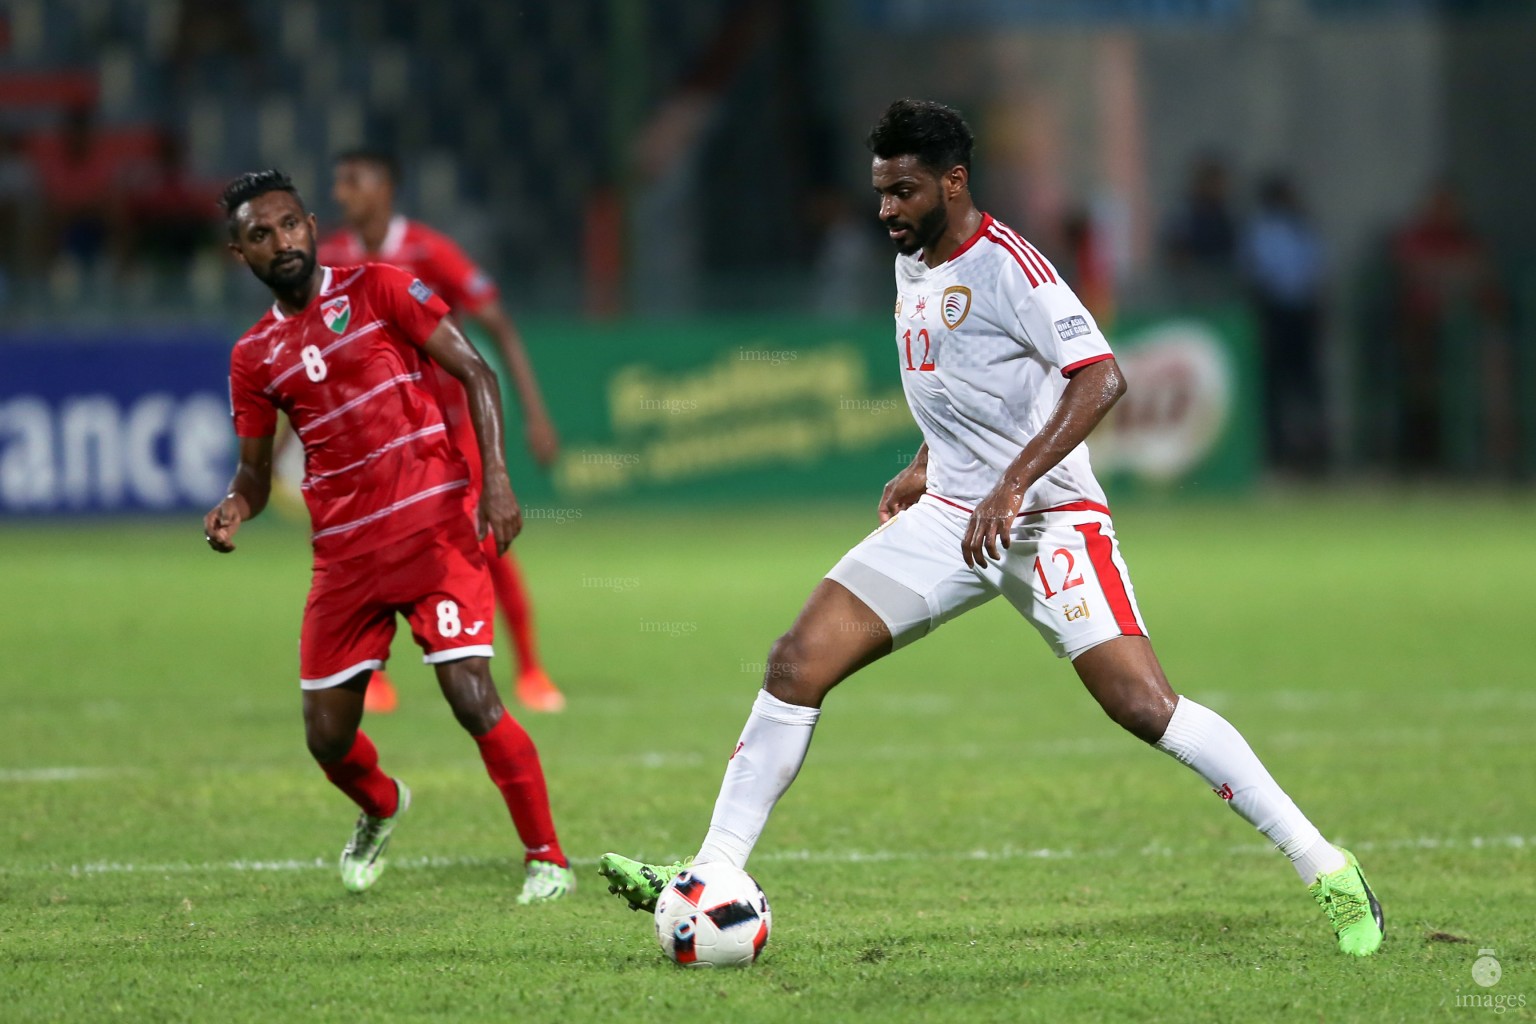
[68,774]
[1004,853]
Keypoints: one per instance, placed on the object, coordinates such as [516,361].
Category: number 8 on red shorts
[436,578]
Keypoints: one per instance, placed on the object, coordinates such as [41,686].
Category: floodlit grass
[970,839]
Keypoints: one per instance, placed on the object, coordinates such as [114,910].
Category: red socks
[358,776]
[513,601]
[513,764]
[511,761]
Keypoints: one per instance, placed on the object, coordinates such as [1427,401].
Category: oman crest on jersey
[337,313]
[955,305]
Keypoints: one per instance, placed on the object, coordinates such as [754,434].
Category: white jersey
[986,341]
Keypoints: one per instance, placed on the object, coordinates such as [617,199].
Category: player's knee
[328,741]
[789,675]
[480,718]
[1145,717]
[471,694]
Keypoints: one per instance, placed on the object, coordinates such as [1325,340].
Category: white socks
[777,735]
[1202,739]
[767,759]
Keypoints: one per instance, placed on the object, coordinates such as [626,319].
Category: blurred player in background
[1006,373]
[364,187]
[346,353]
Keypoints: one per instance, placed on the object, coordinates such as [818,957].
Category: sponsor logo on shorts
[1077,611]
[955,306]
[475,629]
[1071,327]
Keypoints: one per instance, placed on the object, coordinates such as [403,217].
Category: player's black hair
[937,135]
[383,159]
[250,185]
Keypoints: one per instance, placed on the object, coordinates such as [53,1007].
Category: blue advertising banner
[113,424]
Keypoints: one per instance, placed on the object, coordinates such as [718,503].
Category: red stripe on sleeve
[1101,554]
[1071,368]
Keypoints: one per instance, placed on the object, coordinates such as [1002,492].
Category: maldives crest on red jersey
[336,313]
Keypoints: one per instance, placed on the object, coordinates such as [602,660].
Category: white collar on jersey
[325,286]
[394,238]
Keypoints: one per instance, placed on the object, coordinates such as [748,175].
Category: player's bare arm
[498,506]
[906,487]
[248,492]
[1089,395]
[541,438]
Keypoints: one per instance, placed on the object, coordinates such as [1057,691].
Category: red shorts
[436,578]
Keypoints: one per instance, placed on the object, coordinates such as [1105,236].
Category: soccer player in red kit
[345,353]
[364,188]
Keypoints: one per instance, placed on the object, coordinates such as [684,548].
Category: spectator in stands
[170,214]
[1200,238]
[18,200]
[214,33]
[79,179]
[849,271]
[1086,264]
[1444,273]
[1281,257]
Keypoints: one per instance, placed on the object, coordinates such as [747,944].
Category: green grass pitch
[970,840]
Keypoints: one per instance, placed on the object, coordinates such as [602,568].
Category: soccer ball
[712,915]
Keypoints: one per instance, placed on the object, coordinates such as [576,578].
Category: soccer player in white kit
[1007,374]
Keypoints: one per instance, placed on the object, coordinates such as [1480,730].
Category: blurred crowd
[85,208]
[81,206]
[1416,343]
[1409,358]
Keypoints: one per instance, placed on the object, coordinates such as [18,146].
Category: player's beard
[925,232]
[290,273]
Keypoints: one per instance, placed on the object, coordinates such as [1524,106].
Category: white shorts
[1063,573]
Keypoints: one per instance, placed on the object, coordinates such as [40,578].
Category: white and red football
[713,915]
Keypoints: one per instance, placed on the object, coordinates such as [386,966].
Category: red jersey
[429,256]
[434,259]
[350,373]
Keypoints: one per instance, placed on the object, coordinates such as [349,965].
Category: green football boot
[546,882]
[638,883]
[362,861]
[1351,908]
